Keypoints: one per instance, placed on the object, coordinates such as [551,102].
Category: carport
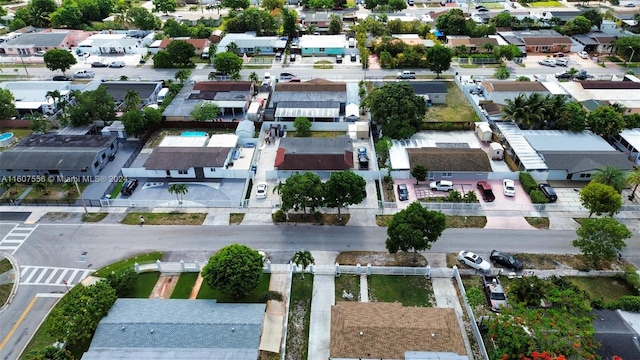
[326,111]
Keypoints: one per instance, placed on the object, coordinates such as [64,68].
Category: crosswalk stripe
[44,275]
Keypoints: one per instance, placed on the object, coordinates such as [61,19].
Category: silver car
[472,260]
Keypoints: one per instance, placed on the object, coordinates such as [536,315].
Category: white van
[162,95]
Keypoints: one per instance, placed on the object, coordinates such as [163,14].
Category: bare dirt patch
[379,259]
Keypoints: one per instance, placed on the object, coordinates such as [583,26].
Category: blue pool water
[6,136]
[193,133]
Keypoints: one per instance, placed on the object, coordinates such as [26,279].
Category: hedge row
[530,185]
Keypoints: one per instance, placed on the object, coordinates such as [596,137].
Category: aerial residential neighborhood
[240,179]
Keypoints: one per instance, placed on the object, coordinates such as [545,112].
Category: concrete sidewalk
[320,324]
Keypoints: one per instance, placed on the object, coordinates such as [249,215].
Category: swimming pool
[6,139]
[193,133]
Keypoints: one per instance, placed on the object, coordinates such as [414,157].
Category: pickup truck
[494,292]
[84,74]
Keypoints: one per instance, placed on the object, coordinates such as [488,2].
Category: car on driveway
[583,54]
[261,190]
[548,192]
[485,190]
[403,192]
[547,62]
[506,260]
[495,293]
[441,185]
[508,187]
[472,260]
[362,151]
[84,74]
[129,186]
[558,54]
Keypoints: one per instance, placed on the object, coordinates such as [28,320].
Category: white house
[115,44]
[31,96]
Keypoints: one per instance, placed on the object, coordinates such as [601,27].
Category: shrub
[632,277]
[279,216]
[122,281]
[626,303]
[271,295]
[537,197]
[528,182]
[454,196]
[598,303]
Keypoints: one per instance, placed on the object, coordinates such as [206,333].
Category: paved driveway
[223,193]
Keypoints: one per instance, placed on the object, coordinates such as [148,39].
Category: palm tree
[131,100]
[304,259]
[182,75]
[553,104]
[612,176]
[232,47]
[633,179]
[178,190]
[573,72]
[43,186]
[526,112]
[253,77]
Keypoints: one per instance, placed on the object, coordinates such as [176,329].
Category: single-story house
[315,111]
[596,42]
[446,163]
[538,41]
[58,155]
[500,91]
[628,141]
[232,97]
[115,44]
[178,329]
[249,43]
[393,331]
[320,20]
[30,43]
[311,91]
[315,154]
[562,15]
[624,93]
[198,44]
[474,45]
[434,92]
[32,96]
[147,91]
[323,44]
[414,39]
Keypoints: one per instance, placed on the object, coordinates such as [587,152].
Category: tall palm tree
[304,259]
[178,190]
[633,179]
[131,100]
[612,176]
[525,111]
[553,104]
[232,47]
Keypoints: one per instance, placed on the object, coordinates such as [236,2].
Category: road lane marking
[15,326]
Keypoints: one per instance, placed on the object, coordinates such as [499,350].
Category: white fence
[472,318]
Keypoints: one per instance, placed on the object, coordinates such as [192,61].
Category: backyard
[455,109]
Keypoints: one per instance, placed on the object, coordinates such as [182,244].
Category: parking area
[221,192]
[531,62]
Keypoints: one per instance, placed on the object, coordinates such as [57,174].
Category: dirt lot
[379,259]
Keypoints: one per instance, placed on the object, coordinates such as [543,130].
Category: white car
[583,54]
[261,190]
[508,187]
[84,74]
[470,259]
[441,185]
[547,62]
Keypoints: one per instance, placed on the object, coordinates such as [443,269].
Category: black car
[506,260]
[61,78]
[129,186]
[353,57]
[485,190]
[548,192]
[403,192]
[97,64]
[563,75]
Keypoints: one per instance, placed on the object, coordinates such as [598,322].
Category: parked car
[563,76]
[116,64]
[548,192]
[583,54]
[286,76]
[97,64]
[403,192]
[472,260]
[582,75]
[441,185]
[562,62]
[84,74]
[406,75]
[292,58]
[495,293]
[129,186]
[338,59]
[506,260]
[485,190]
[558,54]
[261,190]
[547,62]
[353,58]
[629,5]
[39,53]
[508,187]
[60,78]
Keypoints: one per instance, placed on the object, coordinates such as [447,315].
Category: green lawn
[299,317]
[455,109]
[133,218]
[607,288]
[144,285]
[206,292]
[545,4]
[184,286]
[94,217]
[409,290]
[349,283]
[5,265]
[116,190]
[128,263]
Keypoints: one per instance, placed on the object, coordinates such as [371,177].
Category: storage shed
[352,112]
[253,113]
[245,129]
[496,151]
[359,130]
[483,130]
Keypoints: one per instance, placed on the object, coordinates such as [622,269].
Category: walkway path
[321,302]
[275,314]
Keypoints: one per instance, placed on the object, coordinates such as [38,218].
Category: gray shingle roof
[336,145]
[36,40]
[170,354]
[183,158]
[581,161]
[173,324]
[427,87]
[47,159]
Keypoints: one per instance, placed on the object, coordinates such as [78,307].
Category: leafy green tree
[303,126]
[131,100]
[133,121]
[303,259]
[143,19]
[76,316]
[572,116]
[502,73]
[235,270]
[577,25]
[504,20]
[182,75]
[301,192]
[181,52]
[382,148]
[58,59]
[122,281]
[43,187]
[7,104]
[228,63]
[414,228]
[528,292]
[162,59]
[152,117]
[232,47]
[606,121]
[16,24]
[612,176]
[452,22]
[235,4]
[594,16]
[173,29]
[523,79]
[254,19]
[335,25]
[289,22]
[439,59]
[70,15]
[272,4]
[320,4]
[165,6]
[601,239]
[206,111]
[40,124]
[525,111]
[507,51]
[253,77]
[419,172]
[49,353]
[91,106]
[344,188]
[626,46]
[179,190]
[397,109]
[600,198]
[397,5]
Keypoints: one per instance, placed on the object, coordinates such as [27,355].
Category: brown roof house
[377,330]
[450,160]
[232,97]
[315,154]
[474,45]
[541,41]
[199,44]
